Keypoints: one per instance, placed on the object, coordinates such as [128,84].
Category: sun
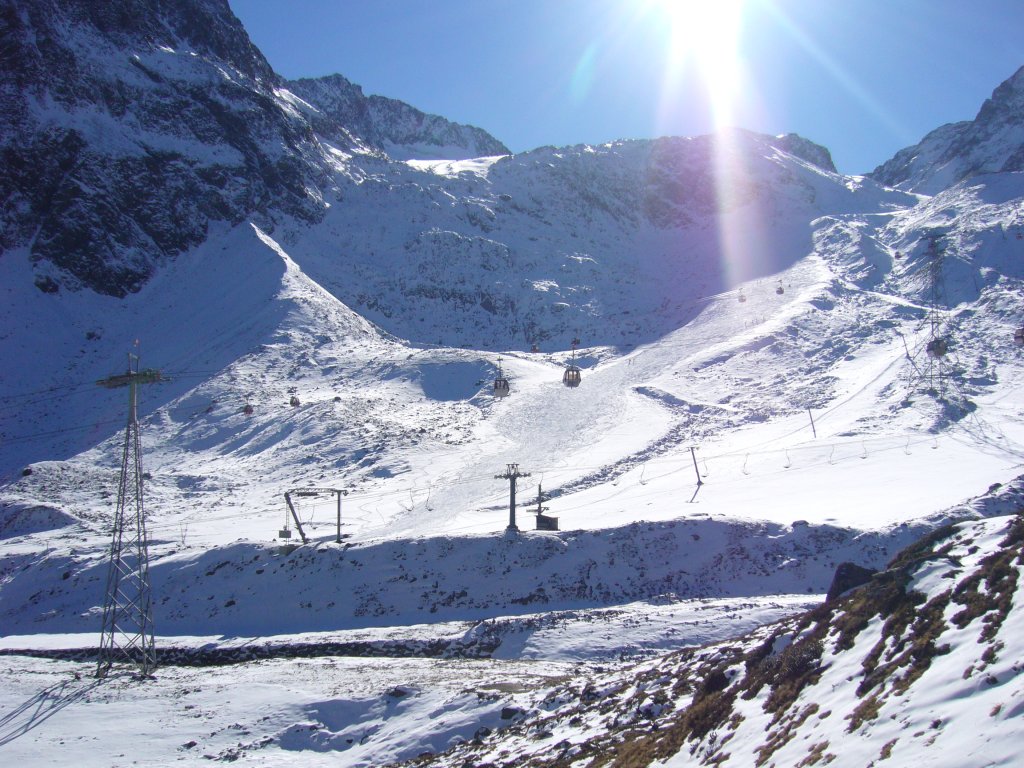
[702,38]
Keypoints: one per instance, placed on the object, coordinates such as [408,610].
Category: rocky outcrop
[392,126]
[805,149]
[128,127]
[848,576]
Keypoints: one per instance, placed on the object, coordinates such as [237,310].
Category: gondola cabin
[741,298]
[501,388]
[937,348]
[1018,337]
[572,375]
[779,289]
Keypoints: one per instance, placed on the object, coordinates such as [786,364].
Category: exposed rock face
[128,127]
[402,131]
[848,576]
[991,143]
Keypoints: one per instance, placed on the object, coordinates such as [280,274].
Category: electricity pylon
[127,605]
[938,346]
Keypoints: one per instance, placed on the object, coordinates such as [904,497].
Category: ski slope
[695,497]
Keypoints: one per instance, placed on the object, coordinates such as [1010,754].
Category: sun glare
[703,38]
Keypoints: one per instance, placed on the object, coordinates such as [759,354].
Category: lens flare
[703,35]
[703,47]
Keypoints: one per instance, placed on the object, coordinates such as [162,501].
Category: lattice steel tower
[938,346]
[127,605]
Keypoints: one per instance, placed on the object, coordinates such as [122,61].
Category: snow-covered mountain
[991,143]
[329,283]
[129,129]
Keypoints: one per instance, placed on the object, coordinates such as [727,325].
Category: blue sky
[862,77]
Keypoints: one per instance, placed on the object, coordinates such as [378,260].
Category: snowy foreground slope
[920,666]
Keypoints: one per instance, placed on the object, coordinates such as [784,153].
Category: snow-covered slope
[921,667]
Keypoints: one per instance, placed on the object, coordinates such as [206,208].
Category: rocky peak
[805,149]
[1006,102]
[205,27]
[392,126]
[991,143]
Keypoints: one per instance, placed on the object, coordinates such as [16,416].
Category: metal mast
[511,473]
[295,515]
[937,346]
[127,605]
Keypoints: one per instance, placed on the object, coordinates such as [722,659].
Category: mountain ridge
[390,125]
[993,142]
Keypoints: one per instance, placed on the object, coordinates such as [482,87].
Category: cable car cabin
[1018,337]
[501,388]
[937,348]
[572,376]
[779,289]
[741,298]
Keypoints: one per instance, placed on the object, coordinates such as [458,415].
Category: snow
[697,500]
[454,168]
